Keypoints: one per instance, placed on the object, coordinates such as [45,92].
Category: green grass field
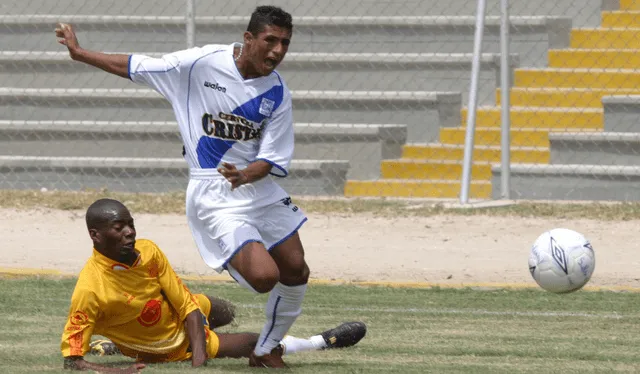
[410,330]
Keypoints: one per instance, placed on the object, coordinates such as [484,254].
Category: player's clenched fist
[233,175]
[67,37]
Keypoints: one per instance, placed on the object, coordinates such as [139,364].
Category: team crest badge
[266,107]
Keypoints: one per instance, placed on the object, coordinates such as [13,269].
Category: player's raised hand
[233,175]
[67,37]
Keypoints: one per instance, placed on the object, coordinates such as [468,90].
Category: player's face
[117,239]
[268,48]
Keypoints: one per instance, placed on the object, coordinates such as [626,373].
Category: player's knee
[295,274]
[264,280]
[307,273]
[302,273]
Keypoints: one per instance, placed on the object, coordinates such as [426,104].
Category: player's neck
[128,259]
[242,64]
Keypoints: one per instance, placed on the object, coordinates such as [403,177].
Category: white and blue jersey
[225,118]
[222,116]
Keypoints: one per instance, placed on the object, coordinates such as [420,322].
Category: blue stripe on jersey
[129,67]
[251,109]
[211,150]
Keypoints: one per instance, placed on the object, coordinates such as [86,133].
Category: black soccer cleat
[345,335]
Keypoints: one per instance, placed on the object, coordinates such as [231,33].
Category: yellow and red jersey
[141,308]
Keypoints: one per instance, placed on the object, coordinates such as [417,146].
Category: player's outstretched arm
[195,329]
[78,363]
[117,64]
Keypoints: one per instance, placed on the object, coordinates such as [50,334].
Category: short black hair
[266,15]
[102,211]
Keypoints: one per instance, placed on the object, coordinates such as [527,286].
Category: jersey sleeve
[277,139]
[83,314]
[163,74]
[174,290]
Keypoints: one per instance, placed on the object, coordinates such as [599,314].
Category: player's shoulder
[194,53]
[210,48]
[205,49]
[277,77]
[146,245]
[89,279]
[278,80]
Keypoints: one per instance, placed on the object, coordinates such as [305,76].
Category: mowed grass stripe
[435,311]
[471,312]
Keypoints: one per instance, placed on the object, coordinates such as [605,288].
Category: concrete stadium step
[363,145]
[571,182]
[621,19]
[522,117]
[574,98]
[594,58]
[622,113]
[538,137]
[531,36]
[629,4]
[601,38]
[415,188]
[302,71]
[607,148]
[424,112]
[432,169]
[577,78]
[587,13]
[306,177]
[442,152]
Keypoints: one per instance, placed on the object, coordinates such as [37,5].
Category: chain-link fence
[578,112]
[380,90]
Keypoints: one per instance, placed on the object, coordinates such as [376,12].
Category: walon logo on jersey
[230,127]
[215,86]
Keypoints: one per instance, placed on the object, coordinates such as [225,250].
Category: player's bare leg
[222,312]
[285,300]
[254,268]
[289,257]
[284,274]
[236,345]
[242,344]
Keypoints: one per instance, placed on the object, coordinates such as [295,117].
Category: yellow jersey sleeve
[83,313]
[176,292]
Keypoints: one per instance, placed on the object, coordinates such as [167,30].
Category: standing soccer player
[235,117]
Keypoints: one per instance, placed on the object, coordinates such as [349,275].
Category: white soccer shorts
[223,221]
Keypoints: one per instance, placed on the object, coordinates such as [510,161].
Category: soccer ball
[562,261]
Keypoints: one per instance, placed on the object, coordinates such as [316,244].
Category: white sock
[282,309]
[294,345]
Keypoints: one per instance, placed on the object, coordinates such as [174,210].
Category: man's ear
[248,37]
[94,235]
